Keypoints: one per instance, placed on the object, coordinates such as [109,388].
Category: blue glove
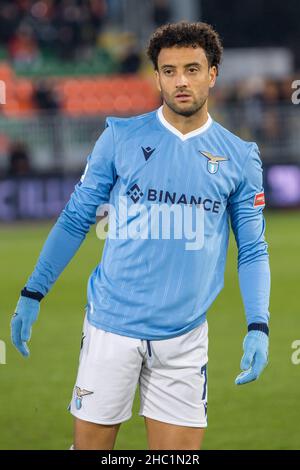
[27,311]
[255,358]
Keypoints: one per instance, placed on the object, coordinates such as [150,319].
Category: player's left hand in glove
[26,314]
[255,358]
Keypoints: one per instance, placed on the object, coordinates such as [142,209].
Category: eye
[168,72]
[193,70]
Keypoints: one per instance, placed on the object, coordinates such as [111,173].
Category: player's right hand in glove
[255,358]
[26,314]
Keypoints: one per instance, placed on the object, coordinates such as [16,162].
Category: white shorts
[171,374]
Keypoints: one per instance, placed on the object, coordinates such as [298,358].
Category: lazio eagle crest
[213,161]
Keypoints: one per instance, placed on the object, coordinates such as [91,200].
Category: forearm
[61,245]
[255,282]
[57,252]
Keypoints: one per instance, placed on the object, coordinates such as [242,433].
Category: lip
[182,96]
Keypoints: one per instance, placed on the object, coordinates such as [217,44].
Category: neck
[186,124]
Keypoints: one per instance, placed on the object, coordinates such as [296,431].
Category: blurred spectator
[161,12]
[9,20]
[285,91]
[258,107]
[66,26]
[131,61]
[115,9]
[19,162]
[23,47]
[45,98]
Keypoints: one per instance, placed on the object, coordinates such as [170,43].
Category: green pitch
[34,393]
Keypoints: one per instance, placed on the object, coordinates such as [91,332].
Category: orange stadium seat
[73,106]
[12,108]
[83,96]
[106,103]
[23,89]
[108,95]
[123,104]
[6,72]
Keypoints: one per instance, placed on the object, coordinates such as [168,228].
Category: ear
[212,76]
[157,80]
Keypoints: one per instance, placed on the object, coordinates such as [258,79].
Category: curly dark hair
[184,34]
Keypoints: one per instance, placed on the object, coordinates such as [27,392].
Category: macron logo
[147,152]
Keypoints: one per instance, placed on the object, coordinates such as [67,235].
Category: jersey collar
[175,131]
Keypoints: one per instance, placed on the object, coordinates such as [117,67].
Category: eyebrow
[186,65]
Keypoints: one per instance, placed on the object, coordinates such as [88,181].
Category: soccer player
[148,298]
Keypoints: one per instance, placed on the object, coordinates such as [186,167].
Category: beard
[192,109]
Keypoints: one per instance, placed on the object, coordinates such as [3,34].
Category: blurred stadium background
[64,66]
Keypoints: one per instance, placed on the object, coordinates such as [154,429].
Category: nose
[181,81]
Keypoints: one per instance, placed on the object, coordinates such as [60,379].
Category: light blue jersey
[153,287]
